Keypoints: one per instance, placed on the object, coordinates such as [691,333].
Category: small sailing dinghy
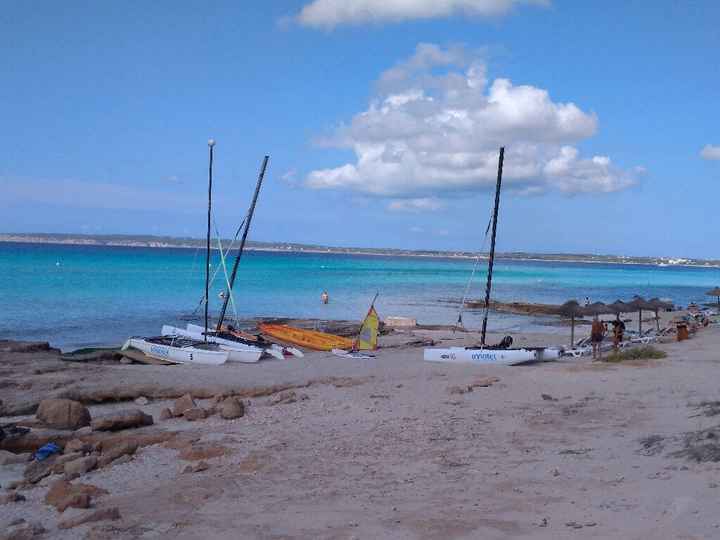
[237,352]
[178,350]
[502,354]
[367,339]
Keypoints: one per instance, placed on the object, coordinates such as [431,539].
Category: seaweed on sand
[701,446]
[709,408]
[652,445]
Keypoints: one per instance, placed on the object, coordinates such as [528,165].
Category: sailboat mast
[491,260]
[211,145]
[242,242]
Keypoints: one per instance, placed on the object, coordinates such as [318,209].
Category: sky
[382,120]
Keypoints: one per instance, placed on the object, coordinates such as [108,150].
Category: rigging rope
[225,272]
[459,322]
[232,245]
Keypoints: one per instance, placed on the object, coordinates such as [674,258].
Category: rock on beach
[63,414]
[131,418]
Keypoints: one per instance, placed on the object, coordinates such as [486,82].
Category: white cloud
[428,134]
[711,152]
[424,204]
[331,13]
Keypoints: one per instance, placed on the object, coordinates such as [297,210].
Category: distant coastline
[165,242]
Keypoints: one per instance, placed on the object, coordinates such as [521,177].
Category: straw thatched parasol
[571,309]
[618,307]
[657,306]
[640,304]
[715,292]
[597,308]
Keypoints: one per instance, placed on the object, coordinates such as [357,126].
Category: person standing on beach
[597,334]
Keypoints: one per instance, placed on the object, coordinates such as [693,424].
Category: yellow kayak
[310,339]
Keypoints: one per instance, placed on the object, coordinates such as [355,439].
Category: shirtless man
[597,334]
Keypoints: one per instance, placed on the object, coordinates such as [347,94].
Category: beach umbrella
[715,292]
[657,306]
[571,309]
[640,304]
[618,307]
[596,309]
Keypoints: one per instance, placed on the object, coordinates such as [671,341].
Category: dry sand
[386,448]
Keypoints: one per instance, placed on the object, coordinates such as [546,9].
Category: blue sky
[381,121]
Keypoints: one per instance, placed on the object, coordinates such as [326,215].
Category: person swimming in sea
[325,297]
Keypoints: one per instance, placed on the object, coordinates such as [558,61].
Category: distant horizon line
[167,241]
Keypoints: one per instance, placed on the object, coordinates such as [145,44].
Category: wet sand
[394,447]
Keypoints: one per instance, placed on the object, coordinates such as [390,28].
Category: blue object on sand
[46,451]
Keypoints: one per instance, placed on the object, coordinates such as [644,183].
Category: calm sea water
[86,295]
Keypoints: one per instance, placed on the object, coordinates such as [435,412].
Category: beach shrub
[636,353]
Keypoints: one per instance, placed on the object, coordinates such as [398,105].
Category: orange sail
[310,339]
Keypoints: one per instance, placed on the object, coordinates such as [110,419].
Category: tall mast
[491,260]
[251,211]
[211,145]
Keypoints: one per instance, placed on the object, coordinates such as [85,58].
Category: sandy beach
[392,447]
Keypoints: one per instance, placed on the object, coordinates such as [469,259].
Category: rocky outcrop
[122,420]
[195,413]
[183,404]
[22,530]
[10,458]
[197,452]
[114,452]
[78,467]
[24,346]
[62,495]
[37,470]
[97,515]
[32,440]
[63,414]
[200,466]
[77,445]
[232,408]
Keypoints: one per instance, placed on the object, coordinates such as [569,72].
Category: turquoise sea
[74,296]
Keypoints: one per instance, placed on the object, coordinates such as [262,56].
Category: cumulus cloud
[435,126]
[711,152]
[331,13]
[423,204]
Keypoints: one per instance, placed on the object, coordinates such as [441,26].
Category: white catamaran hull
[506,357]
[178,355]
[236,352]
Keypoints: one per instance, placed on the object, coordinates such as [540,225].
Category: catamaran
[178,350]
[238,348]
[484,354]
[237,352]
[182,349]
